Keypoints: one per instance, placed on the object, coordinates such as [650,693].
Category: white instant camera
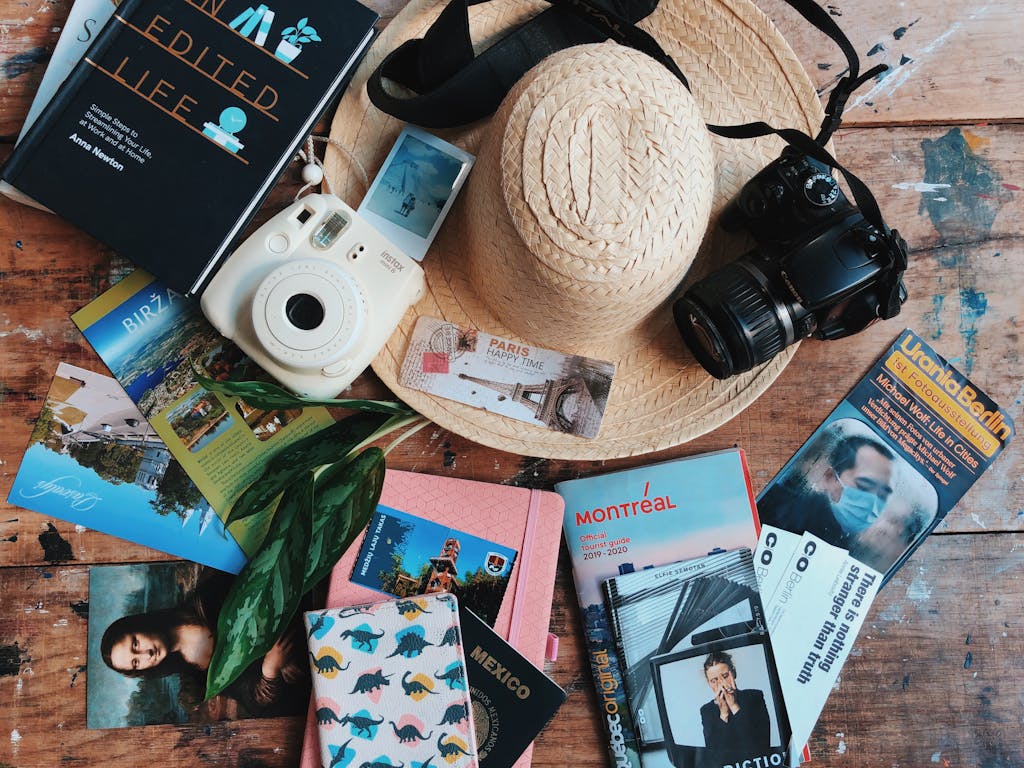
[313,295]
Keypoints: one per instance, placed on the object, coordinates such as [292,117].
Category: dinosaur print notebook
[389,685]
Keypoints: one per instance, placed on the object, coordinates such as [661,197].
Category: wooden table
[935,677]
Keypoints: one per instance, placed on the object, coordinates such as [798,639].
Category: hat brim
[740,70]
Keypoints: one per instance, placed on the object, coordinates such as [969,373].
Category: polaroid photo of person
[414,190]
[721,704]
[848,487]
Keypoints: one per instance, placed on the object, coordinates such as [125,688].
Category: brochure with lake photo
[95,461]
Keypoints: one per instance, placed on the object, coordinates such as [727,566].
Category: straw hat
[593,187]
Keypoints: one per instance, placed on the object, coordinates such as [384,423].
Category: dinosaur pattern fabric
[389,681]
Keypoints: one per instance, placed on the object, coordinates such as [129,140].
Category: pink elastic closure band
[525,556]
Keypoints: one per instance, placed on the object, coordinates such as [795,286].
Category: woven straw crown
[585,207]
[590,196]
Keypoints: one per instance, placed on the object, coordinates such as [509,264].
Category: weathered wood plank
[921,650]
[28,33]
[957,61]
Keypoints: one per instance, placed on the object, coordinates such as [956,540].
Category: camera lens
[303,311]
[732,322]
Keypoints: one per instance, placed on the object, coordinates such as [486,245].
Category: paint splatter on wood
[81,609]
[20,63]
[935,318]
[899,32]
[11,659]
[75,673]
[973,306]
[974,193]
[56,549]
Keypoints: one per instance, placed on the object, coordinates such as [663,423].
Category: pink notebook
[529,521]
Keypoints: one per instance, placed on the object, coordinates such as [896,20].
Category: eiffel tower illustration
[549,400]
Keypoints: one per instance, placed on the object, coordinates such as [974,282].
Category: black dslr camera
[820,268]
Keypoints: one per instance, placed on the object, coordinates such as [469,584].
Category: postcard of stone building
[565,393]
[93,460]
[404,555]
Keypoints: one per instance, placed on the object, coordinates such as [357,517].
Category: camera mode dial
[308,312]
[821,189]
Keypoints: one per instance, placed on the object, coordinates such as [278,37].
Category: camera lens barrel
[732,322]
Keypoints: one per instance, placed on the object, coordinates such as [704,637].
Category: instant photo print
[687,685]
[414,190]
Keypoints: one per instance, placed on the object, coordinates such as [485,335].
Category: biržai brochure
[150,337]
[95,461]
[641,518]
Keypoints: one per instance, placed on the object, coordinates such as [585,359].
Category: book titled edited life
[95,461]
[857,499]
[404,555]
[185,113]
[636,519]
[565,393]
[697,663]
[150,336]
[512,699]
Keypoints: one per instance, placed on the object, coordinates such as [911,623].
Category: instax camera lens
[305,312]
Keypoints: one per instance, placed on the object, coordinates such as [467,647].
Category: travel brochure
[633,521]
[891,460]
[855,501]
[94,460]
[153,339]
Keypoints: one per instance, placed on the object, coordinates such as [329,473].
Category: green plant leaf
[269,396]
[346,496]
[327,446]
[265,595]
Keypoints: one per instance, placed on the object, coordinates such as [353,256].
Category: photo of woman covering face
[721,706]
[152,633]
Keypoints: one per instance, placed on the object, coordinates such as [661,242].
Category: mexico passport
[512,700]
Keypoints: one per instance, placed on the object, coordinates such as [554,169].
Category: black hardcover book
[512,699]
[168,135]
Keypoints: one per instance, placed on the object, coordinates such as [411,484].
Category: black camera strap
[454,86]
